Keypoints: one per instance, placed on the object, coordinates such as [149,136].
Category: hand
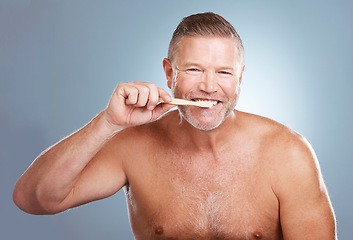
[135,104]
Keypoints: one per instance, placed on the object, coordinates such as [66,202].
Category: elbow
[29,203]
[21,200]
[17,198]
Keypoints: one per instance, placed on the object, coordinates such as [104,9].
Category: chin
[209,118]
[204,123]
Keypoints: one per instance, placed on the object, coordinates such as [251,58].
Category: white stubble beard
[185,113]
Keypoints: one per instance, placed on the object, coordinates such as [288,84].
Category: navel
[158,230]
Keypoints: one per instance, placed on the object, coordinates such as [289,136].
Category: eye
[225,72]
[193,70]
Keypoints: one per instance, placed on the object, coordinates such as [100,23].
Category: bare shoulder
[296,180]
[141,137]
[276,137]
[289,153]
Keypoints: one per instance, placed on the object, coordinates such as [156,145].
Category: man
[196,173]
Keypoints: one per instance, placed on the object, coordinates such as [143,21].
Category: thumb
[160,109]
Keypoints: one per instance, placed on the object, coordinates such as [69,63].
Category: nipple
[159,230]
[257,235]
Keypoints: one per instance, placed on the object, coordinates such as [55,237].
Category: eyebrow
[192,64]
[189,64]
[227,68]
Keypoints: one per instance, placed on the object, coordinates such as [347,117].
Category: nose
[208,82]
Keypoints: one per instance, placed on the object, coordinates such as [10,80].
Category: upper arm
[305,208]
[103,176]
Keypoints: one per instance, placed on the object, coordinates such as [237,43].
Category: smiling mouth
[214,102]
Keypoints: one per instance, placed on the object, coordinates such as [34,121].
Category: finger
[164,95]
[143,95]
[153,96]
[130,93]
[160,109]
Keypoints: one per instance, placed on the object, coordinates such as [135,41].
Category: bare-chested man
[195,173]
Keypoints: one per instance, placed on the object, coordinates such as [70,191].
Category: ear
[241,75]
[168,70]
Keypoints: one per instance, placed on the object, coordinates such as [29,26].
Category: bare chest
[200,197]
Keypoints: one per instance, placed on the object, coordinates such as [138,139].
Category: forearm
[55,180]
[52,176]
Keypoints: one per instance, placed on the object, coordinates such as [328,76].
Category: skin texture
[194,173]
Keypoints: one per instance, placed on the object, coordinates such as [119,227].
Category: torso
[175,192]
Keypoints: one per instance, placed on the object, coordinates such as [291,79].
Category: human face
[205,69]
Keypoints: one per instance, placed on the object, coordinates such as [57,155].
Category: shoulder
[143,135]
[295,179]
[291,157]
[274,135]
[137,147]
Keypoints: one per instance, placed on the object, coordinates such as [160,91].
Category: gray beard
[201,126]
[183,111]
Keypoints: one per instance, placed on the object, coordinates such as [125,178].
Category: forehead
[207,50]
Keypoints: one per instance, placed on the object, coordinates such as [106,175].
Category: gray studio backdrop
[61,60]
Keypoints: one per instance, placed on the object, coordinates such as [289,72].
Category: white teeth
[213,102]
